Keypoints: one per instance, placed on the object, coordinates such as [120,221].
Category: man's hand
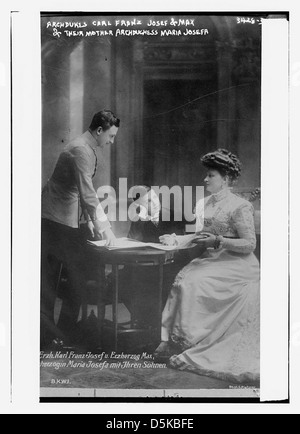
[91,228]
[109,236]
[97,228]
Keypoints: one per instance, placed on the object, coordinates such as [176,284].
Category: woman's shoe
[164,351]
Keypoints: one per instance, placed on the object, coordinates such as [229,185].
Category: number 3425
[249,20]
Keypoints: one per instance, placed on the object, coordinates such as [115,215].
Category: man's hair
[105,119]
[140,190]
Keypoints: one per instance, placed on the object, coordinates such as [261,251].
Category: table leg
[160,295]
[133,298]
[101,318]
[84,307]
[115,304]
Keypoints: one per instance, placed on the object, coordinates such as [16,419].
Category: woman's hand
[208,241]
[168,240]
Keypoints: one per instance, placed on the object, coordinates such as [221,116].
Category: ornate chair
[253,195]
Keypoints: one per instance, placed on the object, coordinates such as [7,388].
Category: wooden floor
[126,374]
[103,370]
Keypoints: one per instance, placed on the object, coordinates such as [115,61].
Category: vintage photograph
[150,201]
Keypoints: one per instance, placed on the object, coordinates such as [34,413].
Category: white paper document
[127,243]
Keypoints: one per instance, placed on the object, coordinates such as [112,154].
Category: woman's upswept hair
[224,161]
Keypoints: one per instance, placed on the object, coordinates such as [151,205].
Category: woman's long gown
[213,310]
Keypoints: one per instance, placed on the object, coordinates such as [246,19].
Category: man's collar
[92,142]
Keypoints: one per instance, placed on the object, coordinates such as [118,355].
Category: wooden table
[141,257]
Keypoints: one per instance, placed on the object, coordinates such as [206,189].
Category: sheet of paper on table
[126,243]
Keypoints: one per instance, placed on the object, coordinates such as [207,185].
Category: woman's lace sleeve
[199,214]
[243,221]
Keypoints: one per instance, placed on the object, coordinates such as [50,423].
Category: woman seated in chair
[210,323]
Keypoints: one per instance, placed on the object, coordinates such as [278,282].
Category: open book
[127,243]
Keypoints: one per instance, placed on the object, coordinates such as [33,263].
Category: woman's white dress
[213,310]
